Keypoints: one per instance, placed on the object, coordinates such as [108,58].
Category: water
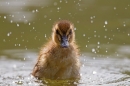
[96,69]
[102,31]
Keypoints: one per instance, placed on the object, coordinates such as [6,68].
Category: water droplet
[91,21]
[45,35]
[23,16]
[94,58]
[105,36]
[4,17]
[124,25]
[60,1]
[58,8]
[12,15]
[45,16]
[84,35]
[105,29]
[17,25]
[4,40]
[114,8]
[81,74]
[55,3]
[94,72]
[37,10]
[106,22]
[33,11]
[77,21]
[98,42]
[11,21]
[91,17]
[8,34]
[86,46]
[98,46]
[93,50]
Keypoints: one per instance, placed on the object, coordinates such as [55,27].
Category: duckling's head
[63,33]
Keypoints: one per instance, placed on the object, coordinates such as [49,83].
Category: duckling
[59,58]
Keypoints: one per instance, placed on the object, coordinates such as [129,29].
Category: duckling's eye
[70,32]
[57,32]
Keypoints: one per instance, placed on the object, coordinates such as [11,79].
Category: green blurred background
[26,24]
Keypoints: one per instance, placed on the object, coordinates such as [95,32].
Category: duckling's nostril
[57,32]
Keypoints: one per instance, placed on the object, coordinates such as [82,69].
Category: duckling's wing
[38,70]
[35,69]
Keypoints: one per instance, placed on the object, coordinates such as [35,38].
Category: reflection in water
[60,82]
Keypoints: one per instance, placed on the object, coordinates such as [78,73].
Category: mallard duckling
[58,59]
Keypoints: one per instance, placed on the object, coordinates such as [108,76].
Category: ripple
[94,72]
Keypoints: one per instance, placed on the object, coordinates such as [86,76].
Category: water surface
[96,69]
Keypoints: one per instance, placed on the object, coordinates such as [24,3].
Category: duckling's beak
[64,41]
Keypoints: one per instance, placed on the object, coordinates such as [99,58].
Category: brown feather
[55,62]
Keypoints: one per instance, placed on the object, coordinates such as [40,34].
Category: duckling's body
[57,59]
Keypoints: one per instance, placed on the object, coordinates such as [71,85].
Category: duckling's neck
[58,52]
